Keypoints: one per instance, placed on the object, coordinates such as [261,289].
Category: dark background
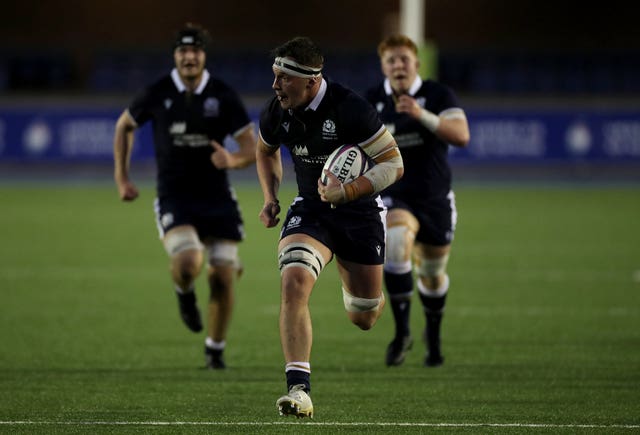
[484,46]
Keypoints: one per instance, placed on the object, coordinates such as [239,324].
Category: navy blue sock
[433,304]
[399,288]
[295,377]
[433,309]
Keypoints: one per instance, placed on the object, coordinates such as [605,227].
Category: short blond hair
[397,41]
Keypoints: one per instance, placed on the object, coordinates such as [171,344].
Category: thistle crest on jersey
[211,107]
[346,162]
[329,130]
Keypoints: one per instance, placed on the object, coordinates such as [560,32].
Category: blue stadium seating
[249,71]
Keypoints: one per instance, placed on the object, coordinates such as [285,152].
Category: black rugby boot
[431,337]
[397,350]
[189,311]
[213,358]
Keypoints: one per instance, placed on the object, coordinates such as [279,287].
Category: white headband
[293,68]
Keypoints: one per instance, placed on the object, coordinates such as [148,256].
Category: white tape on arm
[430,120]
[385,173]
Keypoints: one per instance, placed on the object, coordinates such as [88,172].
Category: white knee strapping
[441,291]
[178,241]
[223,254]
[360,305]
[398,253]
[301,255]
[432,267]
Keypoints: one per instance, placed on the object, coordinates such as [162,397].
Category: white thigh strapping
[181,240]
[398,254]
[223,254]
[301,255]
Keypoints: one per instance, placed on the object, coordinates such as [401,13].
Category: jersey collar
[318,98]
[415,86]
[180,85]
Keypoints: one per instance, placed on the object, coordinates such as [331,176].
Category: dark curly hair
[303,50]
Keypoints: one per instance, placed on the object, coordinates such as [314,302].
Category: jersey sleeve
[447,100]
[235,112]
[270,118]
[372,95]
[140,107]
[361,119]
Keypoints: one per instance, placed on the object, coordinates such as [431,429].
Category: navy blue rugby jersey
[427,174]
[183,125]
[335,117]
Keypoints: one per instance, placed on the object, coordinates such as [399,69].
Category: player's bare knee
[432,282]
[364,321]
[185,250]
[296,289]
[294,279]
[221,281]
[186,266]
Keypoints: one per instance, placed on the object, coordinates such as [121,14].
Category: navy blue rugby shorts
[351,234]
[220,220]
[437,217]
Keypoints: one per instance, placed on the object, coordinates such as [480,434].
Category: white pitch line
[312,423]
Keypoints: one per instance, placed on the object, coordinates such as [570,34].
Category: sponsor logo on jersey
[379,106]
[178,128]
[285,125]
[421,101]
[407,140]
[191,140]
[314,160]
[211,107]
[329,130]
[300,150]
[168,103]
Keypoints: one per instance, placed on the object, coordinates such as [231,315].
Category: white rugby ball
[347,162]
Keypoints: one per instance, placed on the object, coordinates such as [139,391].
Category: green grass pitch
[541,332]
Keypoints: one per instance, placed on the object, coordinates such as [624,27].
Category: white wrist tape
[429,120]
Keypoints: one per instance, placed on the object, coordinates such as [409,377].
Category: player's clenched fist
[269,213]
[127,190]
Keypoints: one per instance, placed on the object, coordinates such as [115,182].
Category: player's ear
[312,81]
